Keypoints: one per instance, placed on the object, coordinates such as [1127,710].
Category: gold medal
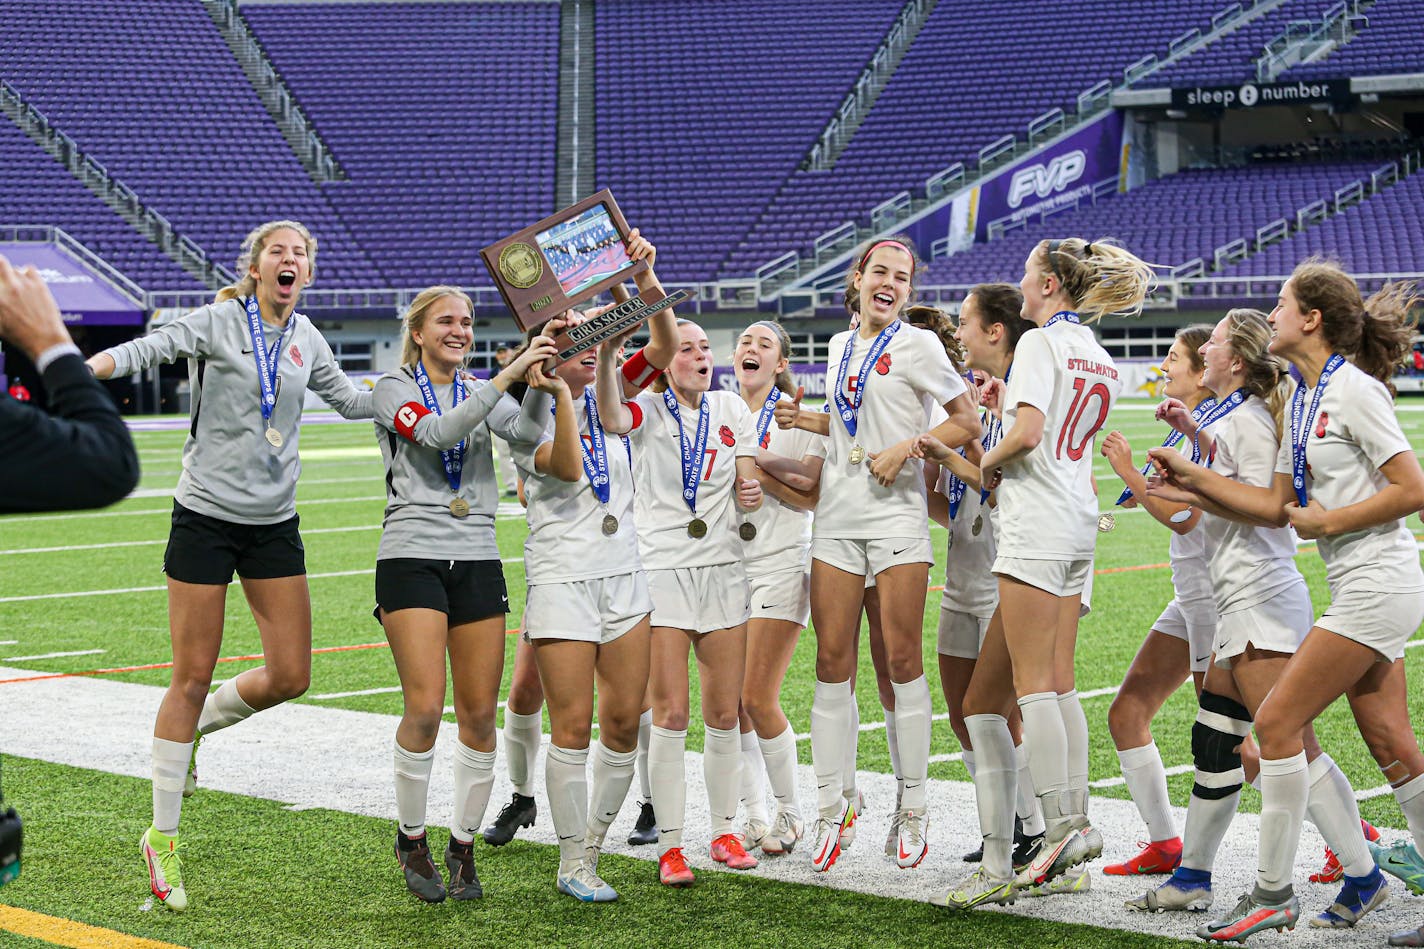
[1106,522]
[857,454]
[274,437]
[978,525]
[610,525]
[747,531]
[460,507]
[697,528]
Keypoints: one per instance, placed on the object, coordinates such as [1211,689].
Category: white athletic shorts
[700,599]
[1086,606]
[1382,621]
[591,611]
[868,557]
[785,594]
[1059,577]
[1194,623]
[1279,625]
[961,634]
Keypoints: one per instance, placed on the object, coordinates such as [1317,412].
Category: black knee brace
[1221,725]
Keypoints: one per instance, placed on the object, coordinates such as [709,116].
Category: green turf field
[90,585]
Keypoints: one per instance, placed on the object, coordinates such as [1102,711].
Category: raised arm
[790,414]
[187,337]
[562,457]
[613,413]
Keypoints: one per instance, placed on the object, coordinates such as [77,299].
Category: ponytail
[1099,277]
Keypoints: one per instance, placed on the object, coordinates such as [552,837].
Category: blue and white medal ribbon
[849,410]
[1174,437]
[692,453]
[453,459]
[768,409]
[1062,316]
[595,462]
[1300,427]
[268,366]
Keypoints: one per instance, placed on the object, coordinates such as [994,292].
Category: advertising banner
[1254,95]
[84,297]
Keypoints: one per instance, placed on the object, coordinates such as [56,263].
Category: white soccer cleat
[785,831]
[911,844]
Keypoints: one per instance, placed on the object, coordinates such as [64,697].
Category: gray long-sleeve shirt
[418,522]
[229,469]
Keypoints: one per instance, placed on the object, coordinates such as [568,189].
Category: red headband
[860,267]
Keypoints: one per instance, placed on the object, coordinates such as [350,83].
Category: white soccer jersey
[910,379]
[969,583]
[659,509]
[1249,565]
[566,540]
[1354,433]
[1050,511]
[783,538]
[1191,567]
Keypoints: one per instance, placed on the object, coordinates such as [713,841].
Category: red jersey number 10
[1075,433]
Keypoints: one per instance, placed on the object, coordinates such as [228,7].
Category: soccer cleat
[974,889]
[1176,895]
[1025,849]
[165,868]
[1159,856]
[463,883]
[586,886]
[1357,897]
[1093,838]
[421,877]
[785,831]
[1401,860]
[911,845]
[1054,858]
[754,832]
[826,836]
[974,856]
[673,869]
[857,807]
[1408,937]
[190,780]
[728,849]
[519,812]
[1076,880]
[1249,917]
[1331,871]
[645,831]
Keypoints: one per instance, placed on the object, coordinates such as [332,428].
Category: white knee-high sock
[645,731]
[970,765]
[1146,781]
[753,779]
[1335,813]
[830,733]
[522,736]
[1028,810]
[1410,796]
[474,779]
[1285,786]
[995,778]
[912,726]
[779,754]
[1075,727]
[852,748]
[566,781]
[412,788]
[667,773]
[222,708]
[170,770]
[892,741]
[612,776]
[721,764]
[1047,756]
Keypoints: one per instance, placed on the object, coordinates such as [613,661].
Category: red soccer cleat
[728,849]
[1332,872]
[673,869]
[1159,856]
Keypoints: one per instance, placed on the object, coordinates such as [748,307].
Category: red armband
[406,418]
[638,371]
[636,411]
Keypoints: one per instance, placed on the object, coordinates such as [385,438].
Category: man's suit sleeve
[79,456]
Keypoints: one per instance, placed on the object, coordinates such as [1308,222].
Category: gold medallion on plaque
[521,265]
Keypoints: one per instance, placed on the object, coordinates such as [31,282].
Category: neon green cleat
[165,868]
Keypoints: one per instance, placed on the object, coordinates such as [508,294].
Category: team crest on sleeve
[1321,421]
[882,365]
[296,355]
[727,437]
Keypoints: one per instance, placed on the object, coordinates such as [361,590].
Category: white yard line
[309,756]
[386,690]
[54,655]
[1118,781]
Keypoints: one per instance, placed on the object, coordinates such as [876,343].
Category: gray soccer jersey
[418,522]
[229,469]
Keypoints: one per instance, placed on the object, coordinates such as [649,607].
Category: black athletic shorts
[464,590]
[203,549]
